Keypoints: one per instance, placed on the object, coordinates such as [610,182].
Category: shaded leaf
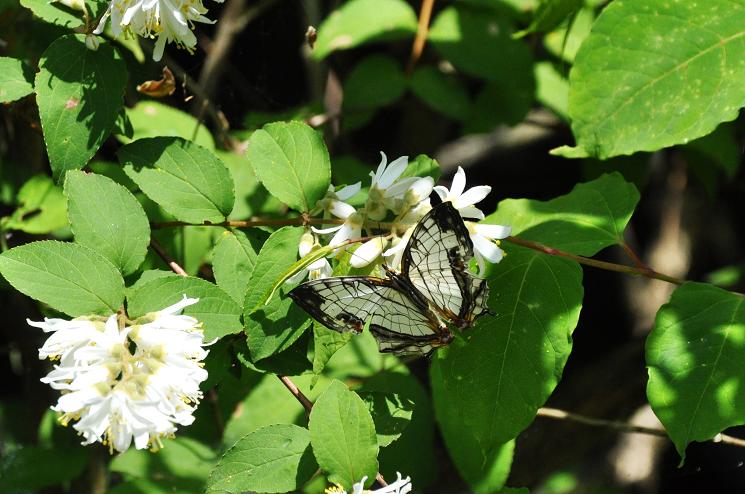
[374,82]
[233,262]
[16,79]
[41,207]
[442,92]
[391,414]
[154,119]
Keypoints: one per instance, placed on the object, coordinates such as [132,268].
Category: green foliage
[153,119]
[19,472]
[71,278]
[342,434]
[362,21]
[549,14]
[16,80]
[79,93]
[54,13]
[107,218]
[391,414]
[217,312]
[361,93]
[41,207]
[275,458]
[591,217]
[444,93]
[292,162]
[188,181]
[233,262]
[694,356]
[672,77]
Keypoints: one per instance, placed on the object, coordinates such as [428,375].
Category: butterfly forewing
[399,323]
[436,263]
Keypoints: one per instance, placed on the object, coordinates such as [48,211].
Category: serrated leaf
[591,217]
[233,263]
[374,82]
[443,92]
[16,79]
[654,73]
[694,356]
[54,13]
[79,93]
[153,119]
[276,458]
[188,181]
[511,362]
[106,217]
[69,277]
[218,313]
[342,433]
[485,472]
[361,21]
[391,414]
[41,207]
[291,160]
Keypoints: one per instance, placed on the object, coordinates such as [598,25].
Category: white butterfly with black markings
[408,312]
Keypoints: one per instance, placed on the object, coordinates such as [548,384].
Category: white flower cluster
[125,383]
[168,20]
[400,486]
[407,200]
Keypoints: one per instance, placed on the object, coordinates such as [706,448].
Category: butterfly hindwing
[400,324]
[436,263]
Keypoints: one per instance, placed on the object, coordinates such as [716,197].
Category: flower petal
[442,191]
[393,171]
[342,209]
[348,191]
[487,248]
[493,231]
[324,231]
[458,185]
[472,196]
[368,252]
[471,212]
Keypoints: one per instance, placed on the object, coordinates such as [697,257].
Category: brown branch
[166,258]
[425,14]
[555,413]
[609,266]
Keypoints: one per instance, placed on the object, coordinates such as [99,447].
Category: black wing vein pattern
[436,263]
[346,303]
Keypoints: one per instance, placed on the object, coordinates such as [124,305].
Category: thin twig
[425,14]
[555,413]
[166,258]
[634,257]
[609,266]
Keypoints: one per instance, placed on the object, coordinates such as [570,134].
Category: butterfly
[408,311]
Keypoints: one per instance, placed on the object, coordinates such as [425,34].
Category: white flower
[127,384]
[315,270]
[351,228]
[169,20]
[383,179]
[368,252]
[485,240]
[408,192]
[400,486]
[333,203]
[464,201]
[407,223]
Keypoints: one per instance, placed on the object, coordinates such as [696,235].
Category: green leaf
[591,217]
[233,263]
[374,82]
[443,92]
[478,42]
[106,217]
[251,198]
[217,312]
[292,162]
[512,361]
[391,414]
[361,21]
[276,458]
[79,93]
[326,342]
[342,433]
[566,45]
[54,13]
[69,277]
[188,181]
[552,89]
[423,166]
[500,102]
[31,468]
[41,207]
[181,466]
[274,327]
[153,119]
[694,356]
[16,79]
[550,13]
[654,73]
[277,254]
[485,472]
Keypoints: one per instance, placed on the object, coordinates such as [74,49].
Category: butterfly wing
[400,324]
[436,263]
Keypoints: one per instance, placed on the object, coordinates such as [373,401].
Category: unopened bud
[92,42]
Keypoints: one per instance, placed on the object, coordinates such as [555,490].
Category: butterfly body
[408,311]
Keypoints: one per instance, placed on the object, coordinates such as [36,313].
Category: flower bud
[91,42]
